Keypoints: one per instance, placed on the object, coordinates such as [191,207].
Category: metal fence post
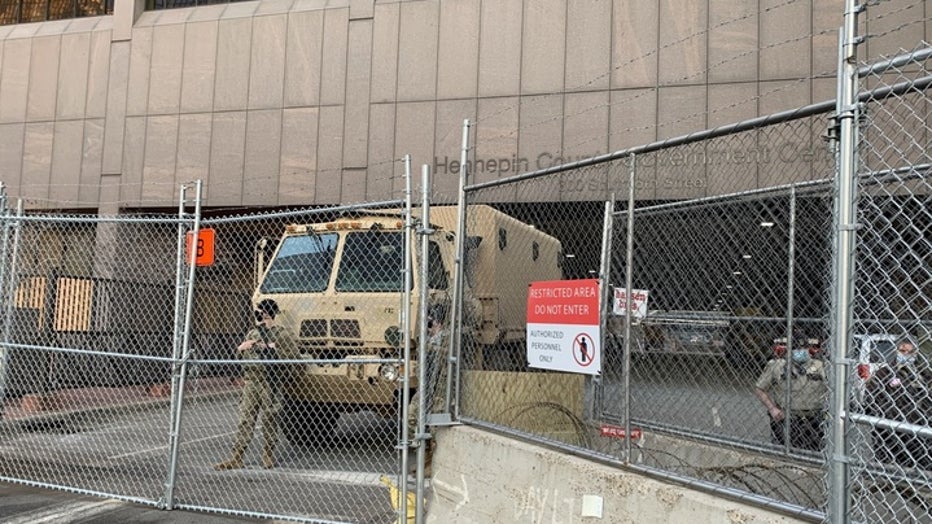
[790,319]
[179,379]
[456,315]
[594,383]
[179,281]
[629,284]
[4,350]
[9,296]
[178,325]
[845,223]
[406,328]
[422,438]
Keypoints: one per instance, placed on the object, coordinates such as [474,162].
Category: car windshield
[372,261]
[303,264]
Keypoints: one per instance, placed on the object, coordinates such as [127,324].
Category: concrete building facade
[284,102]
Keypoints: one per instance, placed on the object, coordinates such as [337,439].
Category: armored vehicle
[340,288]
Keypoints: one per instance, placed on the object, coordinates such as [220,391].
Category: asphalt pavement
[22,504]
[25,504]
[114,441]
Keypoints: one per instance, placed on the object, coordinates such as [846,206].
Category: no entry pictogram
[583,349]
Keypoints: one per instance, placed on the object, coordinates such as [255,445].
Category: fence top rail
[302,212]
[808,186]
[896,174]
[901,174]
[697,136]
[825,107]
[96,219]
[919,55]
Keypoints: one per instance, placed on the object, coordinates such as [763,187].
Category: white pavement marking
[361,478]
[163,448]
[64,513]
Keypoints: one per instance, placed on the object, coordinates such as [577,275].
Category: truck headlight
[388,372]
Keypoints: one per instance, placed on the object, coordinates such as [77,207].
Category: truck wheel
[308,423]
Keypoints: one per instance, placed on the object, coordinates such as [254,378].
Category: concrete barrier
[545,404]
[484,478]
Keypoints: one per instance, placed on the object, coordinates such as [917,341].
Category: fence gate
[88,322]
[123,376]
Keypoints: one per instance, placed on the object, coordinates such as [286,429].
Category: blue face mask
[800,356]
[905,359]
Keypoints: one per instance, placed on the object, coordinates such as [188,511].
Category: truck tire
[309,423]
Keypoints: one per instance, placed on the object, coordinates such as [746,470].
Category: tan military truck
[339,286]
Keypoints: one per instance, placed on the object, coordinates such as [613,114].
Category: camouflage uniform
[435,374]
[262,393]
[808,395]
[434,389]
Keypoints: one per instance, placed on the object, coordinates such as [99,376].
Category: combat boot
[234,462]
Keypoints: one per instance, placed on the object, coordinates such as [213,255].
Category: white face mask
[905,359]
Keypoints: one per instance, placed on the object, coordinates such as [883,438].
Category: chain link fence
[88,331]
[718,270]
[890,440]
[725,372]
[270,380]
[718,261]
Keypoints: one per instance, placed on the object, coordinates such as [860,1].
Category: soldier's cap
[268,306]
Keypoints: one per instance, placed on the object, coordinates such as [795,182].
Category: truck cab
[340,287]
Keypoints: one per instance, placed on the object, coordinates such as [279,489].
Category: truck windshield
[372,261]
[303,264]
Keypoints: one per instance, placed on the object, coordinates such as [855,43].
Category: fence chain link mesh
[730,279]
[717,258]
[725,385]
[297,418]
[88,322]
[513,239]
[312,418]
[890,378]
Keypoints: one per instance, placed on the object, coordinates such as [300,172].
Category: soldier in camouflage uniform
[435,372]
[263,384]
[808,396]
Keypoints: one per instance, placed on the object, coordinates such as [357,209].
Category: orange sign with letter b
[205,247]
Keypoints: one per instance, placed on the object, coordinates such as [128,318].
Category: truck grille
[341,332]
[344,329]
[320,353]
[314,328]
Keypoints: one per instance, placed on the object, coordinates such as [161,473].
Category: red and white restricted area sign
[563,326]
[619,432]
[638,302]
